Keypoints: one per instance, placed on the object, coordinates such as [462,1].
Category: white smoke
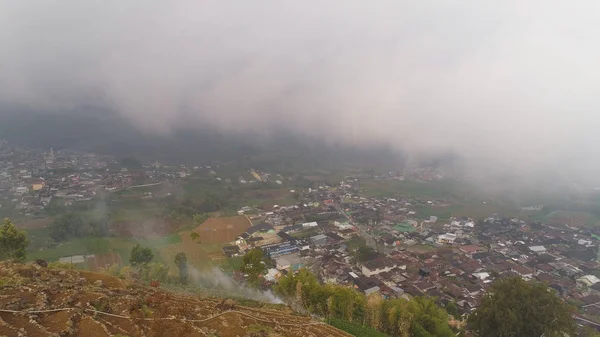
[216,279]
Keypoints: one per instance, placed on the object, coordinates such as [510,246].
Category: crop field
[577,219]
[222,230]
[96,246]
[442,189]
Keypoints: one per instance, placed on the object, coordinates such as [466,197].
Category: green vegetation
[259,328]
[72,225]
[13,242]
[253,265]
[437,189]
[397,317]
[181,263]
[403,227]
[306,233]
[355,329]
[140,256]
[514,307]
[90,245]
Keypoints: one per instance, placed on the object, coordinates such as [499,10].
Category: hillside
[38,301]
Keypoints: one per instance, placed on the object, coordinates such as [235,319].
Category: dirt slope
[36,301]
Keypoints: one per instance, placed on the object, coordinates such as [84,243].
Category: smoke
[216,279]
[508,83]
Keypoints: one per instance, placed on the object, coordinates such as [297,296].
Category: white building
[310,224]
[447,238]
[588,280]
[378,266]
[538,249]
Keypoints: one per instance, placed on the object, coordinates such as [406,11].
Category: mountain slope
[37,301]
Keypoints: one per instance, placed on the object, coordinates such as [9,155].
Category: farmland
[441,189]
[222,230]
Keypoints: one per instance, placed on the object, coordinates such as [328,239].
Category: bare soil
[99,305]
[222,230]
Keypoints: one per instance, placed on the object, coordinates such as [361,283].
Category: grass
[232,264]
[91,245]
[306,233]
[199,255]
[200,186]
[422,248]
[438,189]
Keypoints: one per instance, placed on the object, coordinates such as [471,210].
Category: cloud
[511,79]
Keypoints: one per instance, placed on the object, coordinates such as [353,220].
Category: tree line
[418,317]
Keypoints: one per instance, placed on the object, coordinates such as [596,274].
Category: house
[482,276]
[38,185]
[310,225]
[522,270]
[262,228]
[319,240]
[588,280]
[279,249]
[447,238]
[272,275]
[378,266]
[469,249]
[538,249]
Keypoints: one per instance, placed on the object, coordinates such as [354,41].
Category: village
[30,179]
[380,245]
[344,236]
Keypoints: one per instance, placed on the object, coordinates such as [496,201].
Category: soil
[222,230]
[137,310]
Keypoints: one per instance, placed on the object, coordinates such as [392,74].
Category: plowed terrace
[37,301]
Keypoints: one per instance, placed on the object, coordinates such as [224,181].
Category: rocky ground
[38,301]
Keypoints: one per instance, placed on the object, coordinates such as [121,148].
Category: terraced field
[37,301]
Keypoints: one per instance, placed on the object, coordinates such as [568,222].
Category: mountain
[38,301]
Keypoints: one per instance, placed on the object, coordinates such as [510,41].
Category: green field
[439,189]
[306,233]
[84,246]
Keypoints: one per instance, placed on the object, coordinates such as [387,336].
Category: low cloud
[510,82]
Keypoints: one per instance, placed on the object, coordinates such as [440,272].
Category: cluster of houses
[30,178]
[453,260]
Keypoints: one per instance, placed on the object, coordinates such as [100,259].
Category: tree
[514,307]
[13,242]
[140,256]
[212,203]
[181,262]
[199,218]
[66,226]
[194,236]
[452,309]
[253,265]
[155,272]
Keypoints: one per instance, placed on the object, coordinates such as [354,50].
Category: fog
[509,82]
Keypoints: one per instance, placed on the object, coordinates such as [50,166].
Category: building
[447,239]
[310,225]
[319,240]
[588,280]
[38,185]
[279,249]
[538,249]
[378,266]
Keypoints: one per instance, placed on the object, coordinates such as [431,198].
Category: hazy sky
[513,79]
